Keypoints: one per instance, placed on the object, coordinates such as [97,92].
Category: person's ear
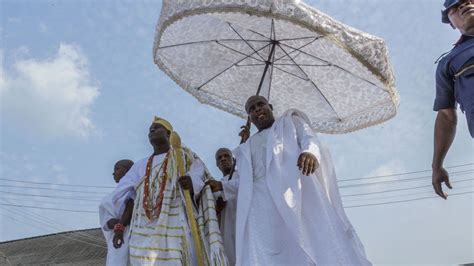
[271,106]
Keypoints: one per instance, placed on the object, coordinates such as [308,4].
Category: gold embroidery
[158,235]
[152,258]
[215,242]
[159,226]
[158,249]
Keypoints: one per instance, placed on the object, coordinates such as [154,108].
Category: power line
[60,227]
[35,225]
[400,195]
[55,189]
[404,179]
[16,199]
[400,189]
[54,184]
[400,201]
[45,208]
[406,173]
[50,224]
[49,196]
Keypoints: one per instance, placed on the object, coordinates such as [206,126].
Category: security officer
[454,85]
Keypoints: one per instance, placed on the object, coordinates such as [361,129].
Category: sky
[78,90]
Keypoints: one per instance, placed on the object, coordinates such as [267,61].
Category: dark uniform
[455,80]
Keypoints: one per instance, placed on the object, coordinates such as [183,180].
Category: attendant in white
[289,210]
[225,163]
[109,215]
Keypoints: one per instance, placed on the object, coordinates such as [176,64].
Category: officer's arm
[444,132]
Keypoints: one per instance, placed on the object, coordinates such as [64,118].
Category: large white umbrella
[224,51]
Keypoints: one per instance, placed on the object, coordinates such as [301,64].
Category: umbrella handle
[243,137]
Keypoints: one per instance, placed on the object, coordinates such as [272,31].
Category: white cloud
[53,96]
[387,169]
[392,167]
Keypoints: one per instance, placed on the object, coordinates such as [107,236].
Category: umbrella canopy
[224,51]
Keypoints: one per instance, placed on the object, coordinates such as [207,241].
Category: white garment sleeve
[230,188]
[196,172]
[104,213]
[306,138]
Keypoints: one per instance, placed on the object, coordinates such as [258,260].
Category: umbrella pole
[267,64]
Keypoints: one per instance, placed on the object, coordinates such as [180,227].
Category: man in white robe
[109,216]
[160,230]
[289,210]
[225,163]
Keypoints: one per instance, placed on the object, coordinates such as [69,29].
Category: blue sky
[79,88]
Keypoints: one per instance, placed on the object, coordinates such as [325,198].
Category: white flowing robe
[108,210]
[228,215]
[284,217]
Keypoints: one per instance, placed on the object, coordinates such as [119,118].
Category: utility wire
[406,173]
[18,200]
[50,225]
[51,196]
[45,208]
[400,189]
[54,184]
[400,195]
[55,189]
[464,172]
[62,227]
[400,201]
[35,225]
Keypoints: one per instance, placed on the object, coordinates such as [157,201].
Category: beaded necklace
[150,210]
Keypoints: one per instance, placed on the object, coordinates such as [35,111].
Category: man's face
[158,134]
[462,16]
[119,172]
[260,112]
[224,160]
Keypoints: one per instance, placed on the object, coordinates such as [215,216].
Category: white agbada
[283,217]
[108,210]
[228,215]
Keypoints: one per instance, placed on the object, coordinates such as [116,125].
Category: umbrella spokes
[223,53]
[327,63]
[234,64]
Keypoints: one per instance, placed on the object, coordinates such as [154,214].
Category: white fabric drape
[310,207]
[108,210]
[228,215]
